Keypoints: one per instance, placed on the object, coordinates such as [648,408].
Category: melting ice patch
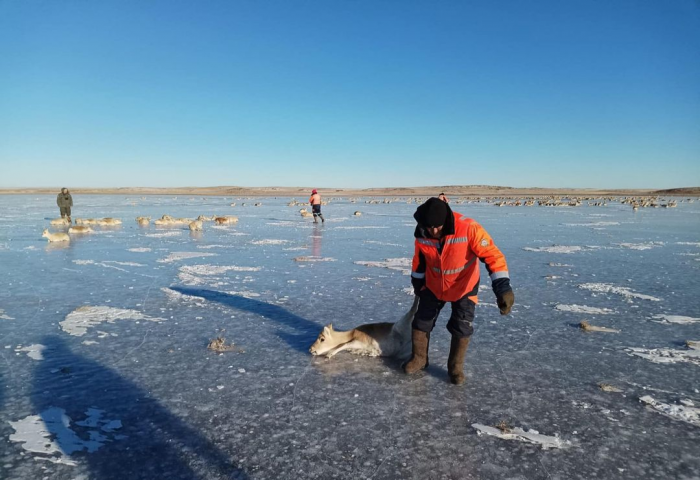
[286,223]
[592,224]
[686,412]
[680,319]
[641,246]
[583,309]
[243,293]
[312,258]
[694,244]
[175,256]
[609,288]
[269,241]
[668,355]
[529,436]
[79,320]
[126,264]
[388,244]
[50,435]
[358,228]
[177,296]
[403,265]
[3,316]
[170,233]
[206,274]
[215,269]
[555,249]
[140,249]
[33,351]
[99,264]
[109,264]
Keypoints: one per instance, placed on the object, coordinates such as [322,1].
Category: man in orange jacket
[445,269]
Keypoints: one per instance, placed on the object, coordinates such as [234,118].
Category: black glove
[418,284]
[505,302]
[504,295]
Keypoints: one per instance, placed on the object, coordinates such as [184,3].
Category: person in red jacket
[315,202]
[445,269]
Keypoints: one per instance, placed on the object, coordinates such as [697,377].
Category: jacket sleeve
[70,200]
[418,268]
[482,245]
[58,199]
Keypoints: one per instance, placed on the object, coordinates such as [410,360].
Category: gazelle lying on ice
[80,229]
[227,220]
[55,237]
[372,339]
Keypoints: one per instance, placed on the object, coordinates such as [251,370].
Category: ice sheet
[132,373]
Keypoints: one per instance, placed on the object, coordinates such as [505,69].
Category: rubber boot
[323,220]
[455,362]
[419,359]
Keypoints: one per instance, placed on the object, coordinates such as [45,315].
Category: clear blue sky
[350,93]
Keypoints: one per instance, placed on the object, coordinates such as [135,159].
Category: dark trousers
[65,211]
[460,323]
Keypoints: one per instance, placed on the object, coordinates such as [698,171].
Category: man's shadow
[305,333]
[149,442]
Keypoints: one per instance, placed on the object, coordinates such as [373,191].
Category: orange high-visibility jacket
[454,273]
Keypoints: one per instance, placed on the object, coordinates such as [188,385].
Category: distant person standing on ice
[64,202]
[445,269]
[315,201]
[444,198]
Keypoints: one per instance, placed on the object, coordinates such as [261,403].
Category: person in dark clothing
[64,202]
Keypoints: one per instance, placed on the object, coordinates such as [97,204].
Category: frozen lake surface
[105,372]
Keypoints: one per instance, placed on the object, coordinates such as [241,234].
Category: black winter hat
[433,213]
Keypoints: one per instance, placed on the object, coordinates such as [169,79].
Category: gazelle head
[324,342]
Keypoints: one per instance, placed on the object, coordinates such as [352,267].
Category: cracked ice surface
[269,410]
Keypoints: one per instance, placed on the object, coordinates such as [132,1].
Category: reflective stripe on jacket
[453,272]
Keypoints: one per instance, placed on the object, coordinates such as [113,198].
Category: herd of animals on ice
[394,339]
[83,225]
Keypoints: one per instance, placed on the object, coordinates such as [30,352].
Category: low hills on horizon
[454,190]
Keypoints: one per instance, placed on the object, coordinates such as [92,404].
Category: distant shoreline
[456,191]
